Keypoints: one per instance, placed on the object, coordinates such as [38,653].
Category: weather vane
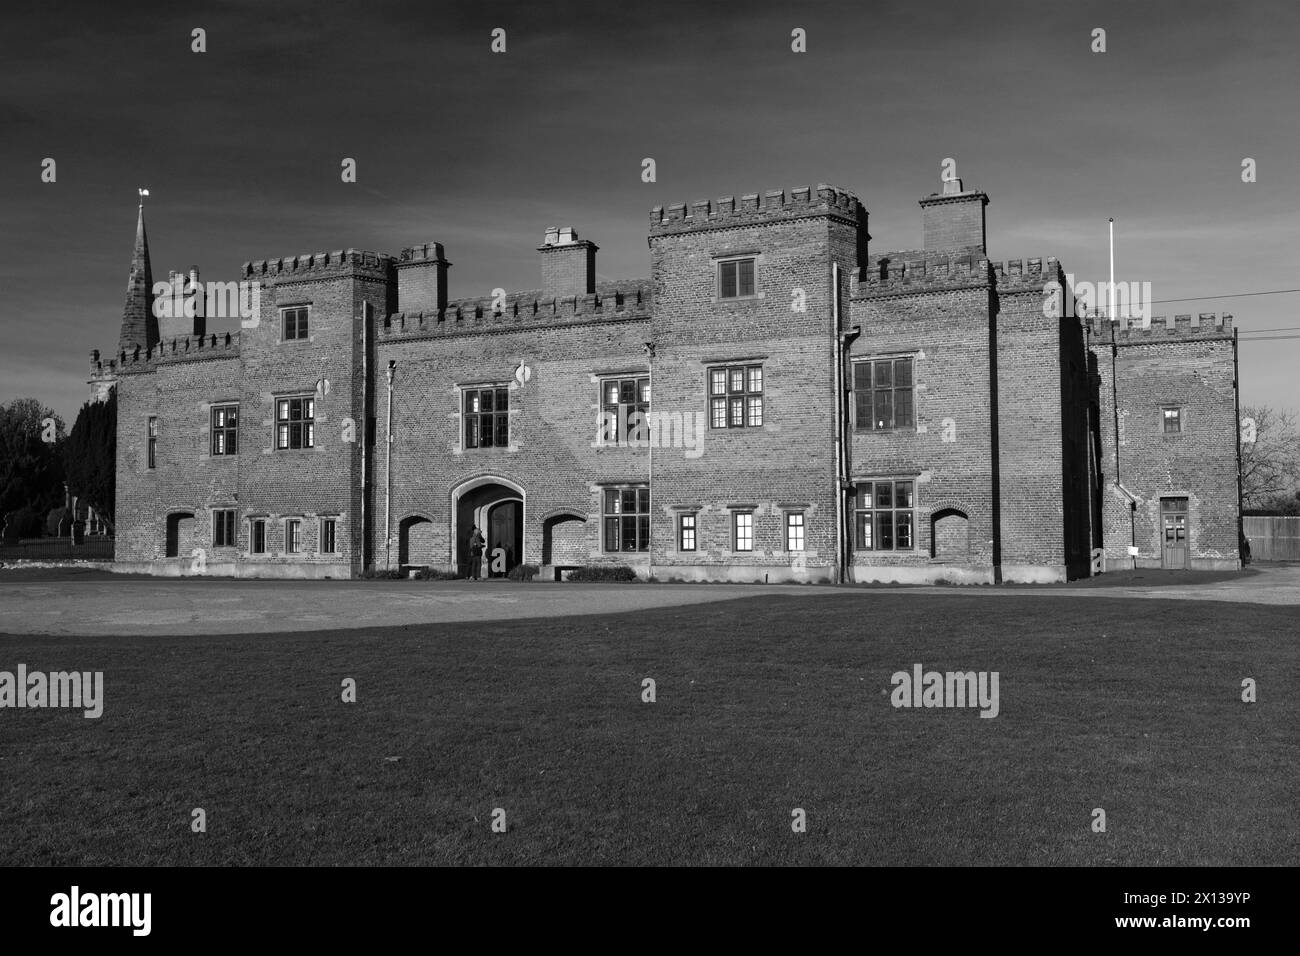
[143,191]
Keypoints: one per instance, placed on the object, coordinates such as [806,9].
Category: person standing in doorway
[476,545]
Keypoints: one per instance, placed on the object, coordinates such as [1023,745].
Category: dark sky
[241,145]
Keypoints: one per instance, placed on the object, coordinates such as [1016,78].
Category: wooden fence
[1272,537]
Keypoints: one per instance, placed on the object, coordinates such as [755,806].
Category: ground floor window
[328,535]
[223,528]
[686,532]
[742,531]
[627,518]
[293,536]
[794,530]
[257,536]
[884,515]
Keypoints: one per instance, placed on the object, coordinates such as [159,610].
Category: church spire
[139,324]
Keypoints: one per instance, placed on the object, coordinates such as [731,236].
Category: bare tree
[1270,465]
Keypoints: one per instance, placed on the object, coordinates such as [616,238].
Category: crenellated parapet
[189,348]
[909,272]
[775,205]
[320,265]
[628,300]
[1163,328]
[912,272]
[1027,275]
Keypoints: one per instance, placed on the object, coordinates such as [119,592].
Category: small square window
[294,323]
[1173,419]
[736,278]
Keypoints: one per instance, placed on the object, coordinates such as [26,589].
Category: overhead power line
[1235,295]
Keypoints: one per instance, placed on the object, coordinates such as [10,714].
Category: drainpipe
[839,425]
[650,466]
[1114,401]
[365,422]
[388,470]
[1236,400]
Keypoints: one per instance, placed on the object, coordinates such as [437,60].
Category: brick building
[819,412]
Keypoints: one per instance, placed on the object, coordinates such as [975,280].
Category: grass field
[763,704]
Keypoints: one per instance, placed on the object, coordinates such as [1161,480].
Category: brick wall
[1012,448]
[1191,367]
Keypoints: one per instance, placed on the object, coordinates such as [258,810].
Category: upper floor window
[295,322]
[736,278]
[736,396]
[884,515]
[883,394]
[1173,419]
[627,519]
[620,400]
[487,417]
[295,423]
[225,429]
[151,457]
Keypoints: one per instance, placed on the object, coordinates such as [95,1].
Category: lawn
[764,704]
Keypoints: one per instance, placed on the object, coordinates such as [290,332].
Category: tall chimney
[953,221]
[568,263]
[422,278]
[195,291]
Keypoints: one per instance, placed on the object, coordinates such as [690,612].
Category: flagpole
[1112,269]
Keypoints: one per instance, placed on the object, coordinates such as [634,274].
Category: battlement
[1163,328]
[1027,275]
[186,348]
[318,265]
[755,209]
[911,271]
[623,300]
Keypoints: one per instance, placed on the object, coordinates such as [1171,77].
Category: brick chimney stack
[422,278]
[953,221]
[568,263]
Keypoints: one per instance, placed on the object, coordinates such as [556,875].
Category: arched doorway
[950,536]
[564,538]
[180,534]
[415,541]
[497,507]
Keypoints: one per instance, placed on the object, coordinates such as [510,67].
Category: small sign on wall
[1132,552]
